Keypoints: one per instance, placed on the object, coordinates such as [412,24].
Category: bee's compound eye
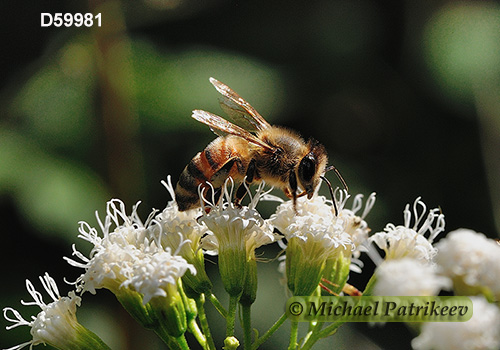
[307,167]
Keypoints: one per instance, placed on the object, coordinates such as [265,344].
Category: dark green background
[404,96]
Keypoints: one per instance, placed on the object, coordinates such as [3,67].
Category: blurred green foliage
[462,48]
[402,95]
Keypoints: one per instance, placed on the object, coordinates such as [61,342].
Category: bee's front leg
[242,191]
[291,191]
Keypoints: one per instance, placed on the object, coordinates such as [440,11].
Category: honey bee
[251,152]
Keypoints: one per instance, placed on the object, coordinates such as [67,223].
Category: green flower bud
[232,269]
[189,304]
[250,288]
[132,302]
[198,283]
[231,343]
[303,271]
[337,271]
[169,312]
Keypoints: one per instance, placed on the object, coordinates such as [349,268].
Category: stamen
[357,203]
[370,202]
[169,187]
[418,218]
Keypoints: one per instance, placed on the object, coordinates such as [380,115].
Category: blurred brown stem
[119,120]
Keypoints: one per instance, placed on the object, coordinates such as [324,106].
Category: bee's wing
[222,127]
[240,110]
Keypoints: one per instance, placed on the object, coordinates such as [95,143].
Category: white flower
[315,225]
[56,324]
[234,235]
[470,257]
[114,254]
[152,273]
[179,229]
[236,227]
[408,277]
[180,232]
[410,240]
[479,333]
[355,225]
[130,255]
[317,206]
[314,236]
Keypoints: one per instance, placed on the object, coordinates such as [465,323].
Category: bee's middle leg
[242,191]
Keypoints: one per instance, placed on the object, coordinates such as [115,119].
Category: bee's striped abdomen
[186,191]
[200,170]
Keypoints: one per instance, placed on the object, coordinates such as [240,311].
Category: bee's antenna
[337,172]
[331,193]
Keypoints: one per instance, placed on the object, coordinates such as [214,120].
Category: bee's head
[312,166]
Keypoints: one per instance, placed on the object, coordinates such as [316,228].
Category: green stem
[314,327]
[270,331]
[182,342]
[247,327]
[218,306]
[293,335]
[200,305]
[332,328]
[168,340]
[231,315]
[198,334]
[315,336]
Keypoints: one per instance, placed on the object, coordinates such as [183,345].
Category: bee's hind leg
[242,191]
[220,176]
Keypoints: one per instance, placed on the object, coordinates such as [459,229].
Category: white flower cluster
[57,320]
[325,240]
[407,267]
[410,240]
[408,277]
[469,257]
[323,233]
[481,332]
[465,260]
[230,226]
[178,230]
[314,224]
[127,256]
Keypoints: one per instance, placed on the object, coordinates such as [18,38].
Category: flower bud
[231,343]
[169,312]
[132,302]
[303,271]
[336,271]
[250,288]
